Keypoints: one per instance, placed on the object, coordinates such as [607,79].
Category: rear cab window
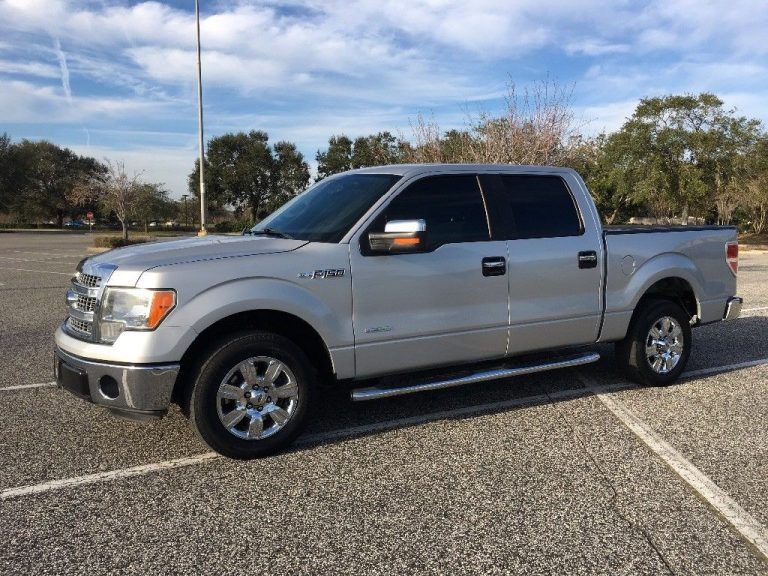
[533,206]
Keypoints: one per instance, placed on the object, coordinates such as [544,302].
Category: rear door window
[536,206]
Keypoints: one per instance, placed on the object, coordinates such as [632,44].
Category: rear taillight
[732,256]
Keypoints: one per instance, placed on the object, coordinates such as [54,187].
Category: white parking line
[342,433]
[105,476]
[39,271]
[45,260]
[307,440]
[758,309]
[727,368]
[23,386]
[727,508]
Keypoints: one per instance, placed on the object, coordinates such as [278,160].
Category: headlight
[133,309]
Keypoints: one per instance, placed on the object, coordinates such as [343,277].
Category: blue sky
[116,79]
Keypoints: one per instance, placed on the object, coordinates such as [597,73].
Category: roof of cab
[416,169]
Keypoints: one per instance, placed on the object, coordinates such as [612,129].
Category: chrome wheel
[664,345]
[257,398]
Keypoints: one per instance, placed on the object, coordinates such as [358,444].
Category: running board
[376,392]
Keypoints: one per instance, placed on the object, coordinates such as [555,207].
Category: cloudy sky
[116,79]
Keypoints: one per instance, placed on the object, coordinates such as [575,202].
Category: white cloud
[38,69]
[156,164]
[306,69]
[24,102]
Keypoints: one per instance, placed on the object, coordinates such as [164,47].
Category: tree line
[676,158]
[41,181]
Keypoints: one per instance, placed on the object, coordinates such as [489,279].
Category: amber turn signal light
[163,302]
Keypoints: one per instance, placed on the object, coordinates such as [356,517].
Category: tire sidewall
[229,352]
[650,314]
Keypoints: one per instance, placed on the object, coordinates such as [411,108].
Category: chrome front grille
[85,303]
[87,280]
[83,300]
[80,326]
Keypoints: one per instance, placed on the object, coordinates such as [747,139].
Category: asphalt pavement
[568,472]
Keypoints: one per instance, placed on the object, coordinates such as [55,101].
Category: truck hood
[142,257]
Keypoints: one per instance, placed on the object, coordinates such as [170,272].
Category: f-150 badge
[330,273]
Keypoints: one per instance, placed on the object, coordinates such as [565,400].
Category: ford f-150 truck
[449,273]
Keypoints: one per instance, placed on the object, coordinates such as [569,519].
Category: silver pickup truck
[453,274]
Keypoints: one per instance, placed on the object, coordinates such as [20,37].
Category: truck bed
[647,229]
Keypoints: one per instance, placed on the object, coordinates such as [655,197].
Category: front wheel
[251,395]
[658,344]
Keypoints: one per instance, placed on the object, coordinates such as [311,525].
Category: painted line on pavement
[748,527]
[308,440]
[343,433]
[720,369]
[43,260]
[24,386]
[106,476]
[758,309]
[38,271]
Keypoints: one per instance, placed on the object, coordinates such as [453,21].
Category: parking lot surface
[568,472]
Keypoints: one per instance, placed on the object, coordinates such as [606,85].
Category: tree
[152,202]
[291,176]
[8,172]
[535,127]
[115,192]
[243,171]
[337,158]
[678,152]
[376,150]
[46,176]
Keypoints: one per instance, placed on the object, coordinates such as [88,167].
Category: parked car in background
[75,224]
[448,273]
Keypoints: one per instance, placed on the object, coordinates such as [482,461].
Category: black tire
[204,406]
[631,352]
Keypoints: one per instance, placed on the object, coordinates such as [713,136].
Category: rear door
[445,305]
[554,263]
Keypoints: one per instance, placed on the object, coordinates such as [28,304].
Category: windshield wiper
[271,232]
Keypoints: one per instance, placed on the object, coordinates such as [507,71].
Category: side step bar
[376,392]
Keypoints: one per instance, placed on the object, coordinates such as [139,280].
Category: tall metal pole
[201,143]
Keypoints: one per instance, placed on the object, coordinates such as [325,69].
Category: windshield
[326,211]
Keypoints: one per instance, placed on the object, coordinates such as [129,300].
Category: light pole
[184,200]
[202,231]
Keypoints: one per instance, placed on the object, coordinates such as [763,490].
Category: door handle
[494,266]
[588,259]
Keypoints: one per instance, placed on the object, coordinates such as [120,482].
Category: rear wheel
[658,344]
[251,395]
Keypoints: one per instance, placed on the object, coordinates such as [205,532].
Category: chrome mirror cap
[406,226]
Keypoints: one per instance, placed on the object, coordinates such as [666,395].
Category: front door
[445,305]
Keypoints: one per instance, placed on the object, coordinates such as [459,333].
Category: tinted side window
[451,205]
[541,207]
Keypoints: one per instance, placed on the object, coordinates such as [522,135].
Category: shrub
[232,226]
[117,241]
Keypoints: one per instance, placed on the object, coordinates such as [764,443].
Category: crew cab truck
[388,280]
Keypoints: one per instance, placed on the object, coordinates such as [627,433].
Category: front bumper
[733,308]
[134,391]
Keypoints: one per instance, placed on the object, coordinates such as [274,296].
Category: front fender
[257,293]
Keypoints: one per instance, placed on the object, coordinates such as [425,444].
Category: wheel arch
[288,325]
[675,289]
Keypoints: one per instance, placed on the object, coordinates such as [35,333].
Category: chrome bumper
[733,308]
[131,391]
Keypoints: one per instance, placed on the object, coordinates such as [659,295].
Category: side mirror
[399,237]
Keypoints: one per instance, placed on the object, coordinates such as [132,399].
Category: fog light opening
[109,387]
